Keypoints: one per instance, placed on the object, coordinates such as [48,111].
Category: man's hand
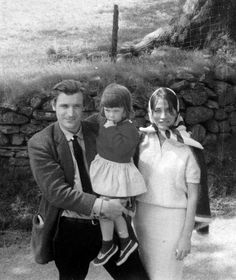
[112,208]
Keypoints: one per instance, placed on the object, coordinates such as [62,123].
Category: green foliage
[19,199]
[150,71]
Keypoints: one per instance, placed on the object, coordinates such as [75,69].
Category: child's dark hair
[115,95]
[169,95]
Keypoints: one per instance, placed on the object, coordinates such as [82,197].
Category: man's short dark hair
[68,87]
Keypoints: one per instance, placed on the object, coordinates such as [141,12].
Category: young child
[113,173]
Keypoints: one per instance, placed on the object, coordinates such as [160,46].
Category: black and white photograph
[117,139]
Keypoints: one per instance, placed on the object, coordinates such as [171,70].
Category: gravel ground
[213,257]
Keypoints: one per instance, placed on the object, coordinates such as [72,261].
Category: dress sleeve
[193,172]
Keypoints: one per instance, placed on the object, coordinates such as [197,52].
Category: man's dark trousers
[77,243]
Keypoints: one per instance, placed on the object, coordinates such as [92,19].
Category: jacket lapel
[64,154]
[89,134]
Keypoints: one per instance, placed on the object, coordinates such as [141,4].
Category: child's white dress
[113,172]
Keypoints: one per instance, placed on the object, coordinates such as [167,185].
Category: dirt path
[213,257]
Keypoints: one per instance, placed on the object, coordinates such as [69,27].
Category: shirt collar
[69,135]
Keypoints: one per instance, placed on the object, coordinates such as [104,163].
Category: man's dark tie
[84,177]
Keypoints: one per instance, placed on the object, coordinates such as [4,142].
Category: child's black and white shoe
[127,251]
[103,258]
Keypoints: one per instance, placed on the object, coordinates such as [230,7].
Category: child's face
[162,115]
[115,114]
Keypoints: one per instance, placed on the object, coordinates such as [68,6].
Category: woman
[164,219]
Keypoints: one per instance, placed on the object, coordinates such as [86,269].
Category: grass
[16,83]
[29,28]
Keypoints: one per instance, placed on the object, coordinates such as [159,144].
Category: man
[65,230]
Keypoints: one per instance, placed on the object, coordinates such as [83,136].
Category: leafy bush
[19,199]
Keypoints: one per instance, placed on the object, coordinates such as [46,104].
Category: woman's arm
[184,243]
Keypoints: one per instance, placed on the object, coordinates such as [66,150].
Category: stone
[94,86]
[9,129]
[13,118]
[198,114]
[224,136]
[207,78]
[44,116]
[88,103]
[181,104]
[220,115]
[225,92]
[196,96]
[88,114]
[35,102]
[30,128]
[8,106]
[139,122]
[47,106]
[211,94]
[233,128]
[183,75]
[6,153]
[140,113]
[232,118]
[224,126]
[225,73]
[135,83]
[210,139]
[198,132]
[18,162]
[229,108]
[3,139]
[140,102]
[212,126]
[97,103]
[22,154]
[17,139]
[170,79]
[212,104]
[26,110]
[178,86]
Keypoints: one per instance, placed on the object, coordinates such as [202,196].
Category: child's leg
[127,245]
[121,227]
[108,248]
[107,229]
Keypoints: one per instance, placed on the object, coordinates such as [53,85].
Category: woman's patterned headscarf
[177,131]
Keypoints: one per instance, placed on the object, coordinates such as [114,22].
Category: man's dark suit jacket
[53,170]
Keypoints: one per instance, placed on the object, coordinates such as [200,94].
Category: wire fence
[209,23]
[193,27]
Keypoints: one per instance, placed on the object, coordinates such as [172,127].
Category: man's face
[69,111]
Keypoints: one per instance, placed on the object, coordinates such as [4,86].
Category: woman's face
[162,116]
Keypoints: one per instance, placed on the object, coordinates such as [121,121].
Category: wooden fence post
[114,34]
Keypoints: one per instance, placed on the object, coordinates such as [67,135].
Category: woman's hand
[109,123]
[184,243]
[183,248]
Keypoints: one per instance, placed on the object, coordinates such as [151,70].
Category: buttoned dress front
[161,210]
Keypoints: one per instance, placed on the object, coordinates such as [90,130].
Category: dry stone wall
[207,103]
